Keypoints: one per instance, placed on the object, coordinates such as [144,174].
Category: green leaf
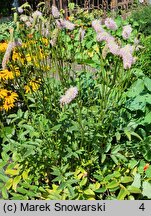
[114,159]
[133,189]
[126,179]
[56,127]
[147,82]
[11,172]
[132,163]
[122,194]
[15,182]
[101,190]
[4,193]
[120,156]
[137,180]
[89,192]
[148,172]
[3,177]
[9,184]
[103,158]
[112,184]
[83,181]
[147,189]
[136,88]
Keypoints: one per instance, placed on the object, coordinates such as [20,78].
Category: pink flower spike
[126,32]
[96,24]
[110,24]
[113,47]
[104,36]
[55,12]
[70,95]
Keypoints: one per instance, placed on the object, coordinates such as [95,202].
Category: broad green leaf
[126,179]
[147,82]
[133,163]
[137,180]
[147,189]
[133,189]
[120,156]
[136,88]
[101,190]
[148,172]
[112,184]
[89,192]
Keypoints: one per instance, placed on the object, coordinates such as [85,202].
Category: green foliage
[94,147]
[143,17]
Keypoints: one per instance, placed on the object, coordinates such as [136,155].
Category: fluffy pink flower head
[113,47]
[62,23]
[37,14]
[70,95]
[104,36]
[127,55]
[55,12]
[110,24]
[96,24]
[126,31]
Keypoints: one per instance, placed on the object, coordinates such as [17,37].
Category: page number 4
[142,207]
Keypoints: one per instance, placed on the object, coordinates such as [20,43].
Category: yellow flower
[3,46]
[6,74]
[28,58]
[3,93]
[32,86]
[7,105]
[10,97]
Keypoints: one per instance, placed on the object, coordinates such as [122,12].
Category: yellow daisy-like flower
[3,46]
[28,58]
[3,93]
[6,74]
[11,97]
[7,105]
[32,86]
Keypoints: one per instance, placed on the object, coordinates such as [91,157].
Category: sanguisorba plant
[80,109]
